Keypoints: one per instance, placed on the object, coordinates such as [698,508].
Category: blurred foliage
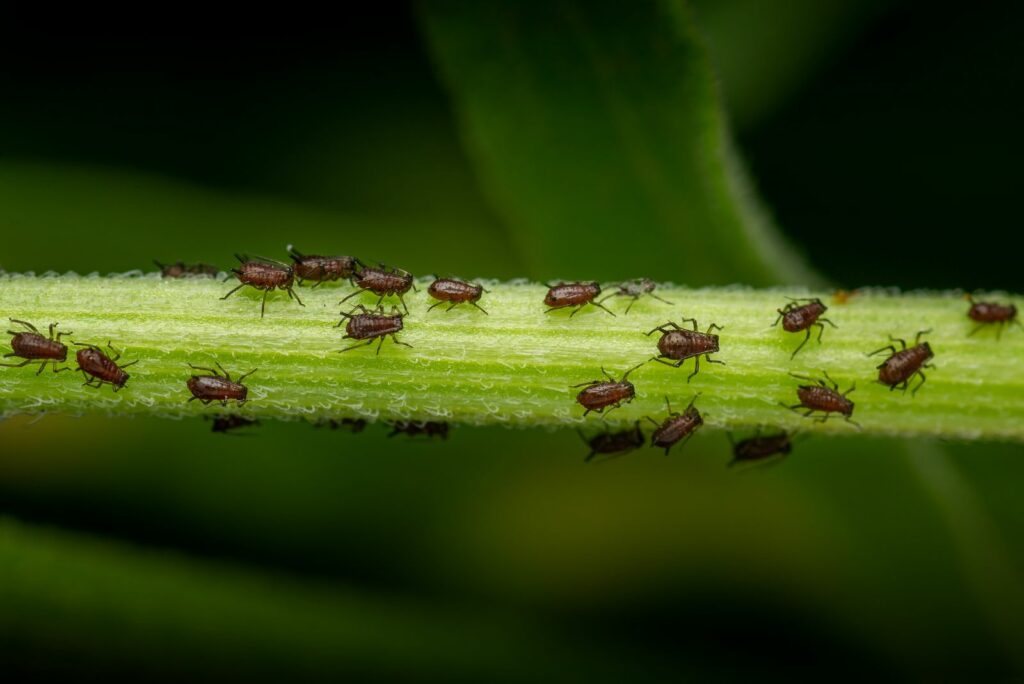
[838,558]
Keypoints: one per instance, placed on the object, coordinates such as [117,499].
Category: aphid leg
[479,307]
[116,353]
[454,304]
[692,320]
[233,291]
[714,326]
[350,296]
[801,345]
[781,314]
[434,306]
[659,298]
[204,368]
[291,293]
[404,306]
[835,385]
[653,422]
[914,391]
[24,323]
[380,343]
[659,359]
[576,310]
[130,363]
[607,374]
[630,305]
[696,368]
[58,370]
[917,337]
[42,367]
[903,343]
[851,421]
[227,376]
[890,349]
[626,374]
[263,304]
[825,320]
[15,365]
[395,340]
[361,344]
[853,387]
[707,357]
[668,404]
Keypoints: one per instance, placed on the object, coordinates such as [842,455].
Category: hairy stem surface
[514,366]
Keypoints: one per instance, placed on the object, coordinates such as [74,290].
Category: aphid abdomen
[824,399]
[99,367]
[684,344]
[34,346]
[207,388]
[369,326]
[902,365]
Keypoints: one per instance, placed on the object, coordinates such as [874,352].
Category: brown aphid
[353,425]
[383,282]
[322,269]
[455,291]
[98,368]
[230,422]
[819,397]
[796,317]
[679,345]
[600,394]
[218,386]
[760,447]
[573,294]
[637,288]
[33,346]
[614,444]
[902,365]
[678,427]
[413,428]
[371,325]
[264,274]
[991,313]
[180,269]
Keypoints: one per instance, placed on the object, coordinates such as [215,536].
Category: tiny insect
[796,317]
[635,289]
[678,427]
[598,395]
[902,365]
[353,425]
[230,422]
[680,344]
[613,444]
[428,428]
[841,297]
[573,294]
[180,269]
[33,346]
[455,291]
[218,386]
[760,448]
[98,368]
[988,313]
[383,282]
[371,325]
[322,269]
[264,274]
[822,398]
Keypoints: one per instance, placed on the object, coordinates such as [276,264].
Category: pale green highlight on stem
[515,366]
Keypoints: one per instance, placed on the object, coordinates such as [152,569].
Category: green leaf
[598,134]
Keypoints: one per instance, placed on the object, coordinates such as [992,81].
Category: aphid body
[180,269]
[796,317]
[614,443]
[902,365]
[32,346]
[820,397]
[371,325]
[353,425]
[637,288]
[98,368]
[225,424]
[455,291]
[218,386]
[679,344]
[428,428]
[383,282]
[573,294]
[988,313]
[677,427]
[760,447]
[598,395]
[321,269]
[266,275]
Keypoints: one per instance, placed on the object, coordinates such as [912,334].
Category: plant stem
[514,366]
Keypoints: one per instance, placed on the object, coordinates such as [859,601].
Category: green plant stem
[514,366]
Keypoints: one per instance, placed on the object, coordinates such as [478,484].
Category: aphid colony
[818,399]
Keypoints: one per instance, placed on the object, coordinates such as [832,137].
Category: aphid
[821,397]
[635,289]
[679,345]
[455,291]
[678,427]
[264,274]
[902,365]
[598,395]
[383,282]
[218,386]
[614,443]
[844,296]
[428,428]
[796,317]
[573,294]
[370,326]
[99,368]
[322,269]
[987,313]
[229,422]
[353,425]
[180,269]
[760,447]
[33,346]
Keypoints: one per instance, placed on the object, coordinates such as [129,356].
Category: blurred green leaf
[597,131]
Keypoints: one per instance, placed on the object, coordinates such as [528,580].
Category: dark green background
[884,138]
